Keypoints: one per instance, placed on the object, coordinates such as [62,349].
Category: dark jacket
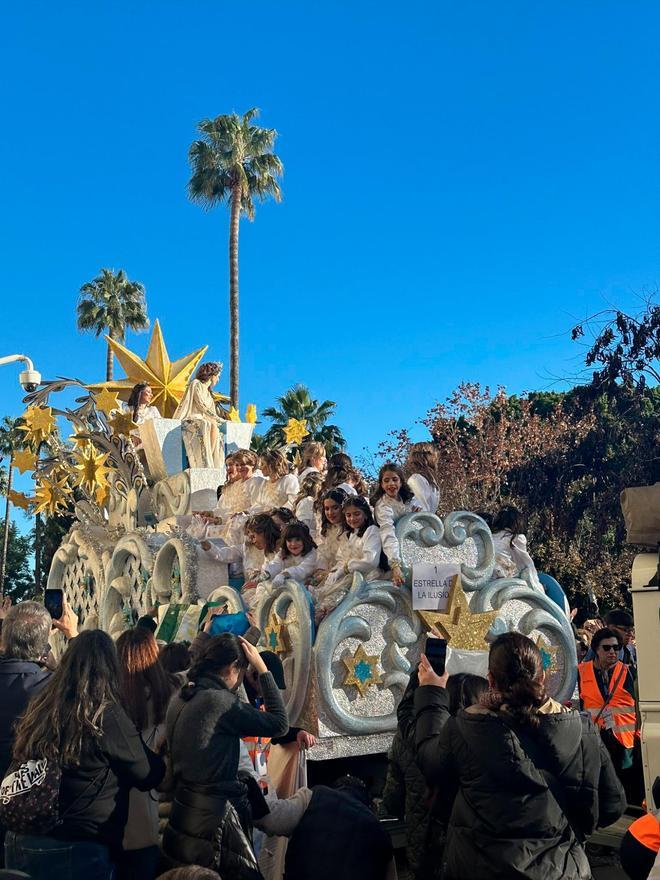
[94,796]
[19,681]
[337,837]
[204,733]
[526,795]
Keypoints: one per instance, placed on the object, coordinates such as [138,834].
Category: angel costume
[281,492]
[427,494]
[355,553]
[201,436]
[387,512]
[277,570]
[512,558]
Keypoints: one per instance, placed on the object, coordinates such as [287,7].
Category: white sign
[431,584]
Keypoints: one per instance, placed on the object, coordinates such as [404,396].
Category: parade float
[133,489]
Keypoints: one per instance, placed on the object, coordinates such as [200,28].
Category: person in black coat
[77,721]
[533,778]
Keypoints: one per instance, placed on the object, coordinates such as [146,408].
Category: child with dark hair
[422,469]
[296,560]
[392,500]
[332,528]
[512,559]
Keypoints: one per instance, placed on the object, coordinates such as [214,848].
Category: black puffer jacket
[506,822]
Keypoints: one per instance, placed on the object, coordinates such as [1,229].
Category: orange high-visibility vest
[646,831]
[621,704]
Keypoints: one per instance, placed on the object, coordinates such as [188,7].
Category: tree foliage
[297,403]
[19,579]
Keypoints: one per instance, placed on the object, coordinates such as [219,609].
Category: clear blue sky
[462,181]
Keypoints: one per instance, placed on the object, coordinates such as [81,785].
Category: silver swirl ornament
[363,657]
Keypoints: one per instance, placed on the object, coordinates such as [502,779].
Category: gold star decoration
[122,423]
[39,424]
[52,495]
[107,401]
[548,653]
[295,430]
[361,670]
[233,415]
[457,623]
[251,414]
[18,499]
[168,379]
[277,635]
[24,460]
[91,469]
[80,442]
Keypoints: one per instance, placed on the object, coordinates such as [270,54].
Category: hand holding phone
[436,651]
[54,602]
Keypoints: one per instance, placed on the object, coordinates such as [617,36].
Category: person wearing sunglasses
[621,623]
[607,692]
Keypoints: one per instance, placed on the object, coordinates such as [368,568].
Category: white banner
[431,584]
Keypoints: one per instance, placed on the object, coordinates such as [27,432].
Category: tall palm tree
[297,403]
[11,439]
[114,303]
[234,163]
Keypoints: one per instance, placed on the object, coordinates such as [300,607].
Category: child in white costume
[306,506]
[511,554]
[422,469]
[332,528]
[296,560]
[392,500]
[313,459]
[360,549]
[247,557]
[281,487]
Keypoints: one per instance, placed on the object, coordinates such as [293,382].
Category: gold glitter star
[18,499]
[168,379]
[39,424]
[91,469]
[361,670]
[24,460]
[107,401]
[52,495]
[251,414]
[233,415]
[295,430]
[122,423]
[458,624]
[548,653]
[277,635]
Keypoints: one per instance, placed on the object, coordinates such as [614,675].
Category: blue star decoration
[277,635]
[361,670]
[548,653]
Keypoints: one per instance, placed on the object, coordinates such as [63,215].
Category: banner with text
[431,584]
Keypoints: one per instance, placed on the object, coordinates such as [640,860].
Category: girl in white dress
[312,458]
[296,560]
[392,500]
[342,475]
[332,528]
[422,469]
[282,487]
[246,558]
[252,481]
[306,509]
[360,549]
[511,554]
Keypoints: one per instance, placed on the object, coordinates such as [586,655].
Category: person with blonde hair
[312,458]
[422,475]
[282,486]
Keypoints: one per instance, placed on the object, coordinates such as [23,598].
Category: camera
[30,380]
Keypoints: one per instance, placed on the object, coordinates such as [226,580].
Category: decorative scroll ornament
[458,624]
[39,424]
[18,499]
[107,401]
[53,494]
[168,379]
[361,670]
[91,469]
[251,414]
[121,424]
[276,635]
[24,460]
[548,653]
[295,431]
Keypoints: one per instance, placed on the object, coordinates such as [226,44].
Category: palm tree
[234,163]
[114,303]
[11,439]
[297,403]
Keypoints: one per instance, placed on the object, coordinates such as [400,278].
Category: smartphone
[54,602]
[436,651]
[252,635]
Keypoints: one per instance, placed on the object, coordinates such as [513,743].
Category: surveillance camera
[30,380]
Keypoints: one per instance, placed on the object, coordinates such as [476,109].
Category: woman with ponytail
[532,777]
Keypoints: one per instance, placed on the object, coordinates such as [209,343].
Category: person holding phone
[205,724]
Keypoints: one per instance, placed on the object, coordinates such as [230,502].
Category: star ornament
[361,670]
[457,623]
[295,430]
[168,379]
[548,654]
[52,496]
[39,424]
[18,499]
[24,460]
[91,470]
[277,635]
[121,423]
[107,401]
[251,414]
[233,415]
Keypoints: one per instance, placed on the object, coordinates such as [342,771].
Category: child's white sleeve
[390,542]
[290,487]
[303,570]
[421,489]
[225,553]
[369,559]
[271,569]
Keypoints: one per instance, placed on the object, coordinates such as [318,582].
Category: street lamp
[30,379]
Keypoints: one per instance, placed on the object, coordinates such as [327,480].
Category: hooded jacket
[527,795]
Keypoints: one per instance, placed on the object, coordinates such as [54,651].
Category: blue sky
[462,181]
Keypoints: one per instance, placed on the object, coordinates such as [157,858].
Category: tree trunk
[109,359]
[233,294]
[37,553]
[5,537]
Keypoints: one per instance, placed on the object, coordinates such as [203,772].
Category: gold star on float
[361,670]
[548,653]
[295,430]
[251,414]
[168,379]
[458,624]
[122,423]
[233,415]
[277,635]
[107,401]
[80,442]
[39,424]
[18,499]
[91,469]
[24,460]
[52,495]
